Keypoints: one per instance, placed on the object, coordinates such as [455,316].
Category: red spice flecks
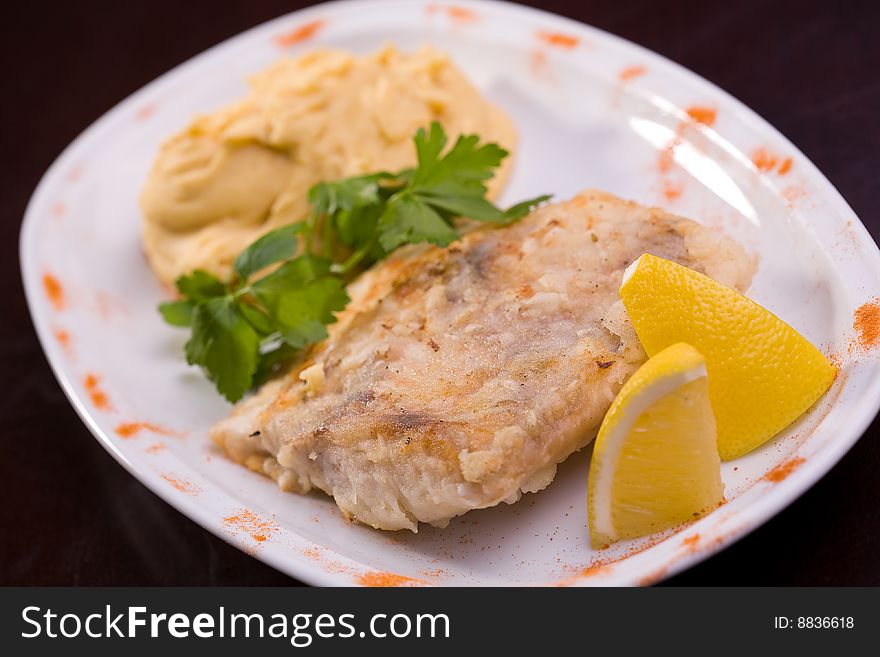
[461,14]
[254,525]
[691,542]
[313,553]
[578,574]
[145,112]
[866,324]
[64,340]
[107,306]
[182,485]
[54,291]
[99,398]
[130,429]
[558,39]
[767,161]
[764,160]
[456,14]
[75,173]
[704,115]
[792,194]
[436,574]
[671,190]
[300,34]
[631,72]
[601,565]
[377,578]
[666,159]
[592,570]
[155,448]
[781,471]
[538,62]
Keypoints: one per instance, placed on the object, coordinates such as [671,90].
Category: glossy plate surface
[593,111]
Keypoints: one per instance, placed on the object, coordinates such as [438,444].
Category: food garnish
[243,328]
[655,462]
[763,374]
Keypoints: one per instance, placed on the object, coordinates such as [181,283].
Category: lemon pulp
[655,461]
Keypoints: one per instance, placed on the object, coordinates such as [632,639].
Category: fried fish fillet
[460,377]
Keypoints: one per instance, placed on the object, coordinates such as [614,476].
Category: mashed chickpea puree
[235,174]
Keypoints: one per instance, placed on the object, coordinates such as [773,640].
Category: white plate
[593,111]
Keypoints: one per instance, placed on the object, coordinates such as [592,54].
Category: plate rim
[744,520]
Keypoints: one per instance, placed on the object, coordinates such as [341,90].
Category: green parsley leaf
[275,246]
[521,209]
[353,205]
[429,145]
[409,220]
[347,194]
[200,286]
[300,297]
[466,161]
[460,200]
[256,317]
[358,227]
[177,313]
[225,345]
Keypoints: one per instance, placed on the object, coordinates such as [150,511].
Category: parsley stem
[309,231]
[354,259]
[242,294]
[327,236]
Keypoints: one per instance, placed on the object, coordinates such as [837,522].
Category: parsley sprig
[244,328]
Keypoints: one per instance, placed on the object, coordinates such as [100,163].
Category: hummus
[237,173]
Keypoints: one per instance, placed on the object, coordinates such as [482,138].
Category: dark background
[70,515]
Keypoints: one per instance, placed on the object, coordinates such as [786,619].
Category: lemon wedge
[762,373]
[655,462]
